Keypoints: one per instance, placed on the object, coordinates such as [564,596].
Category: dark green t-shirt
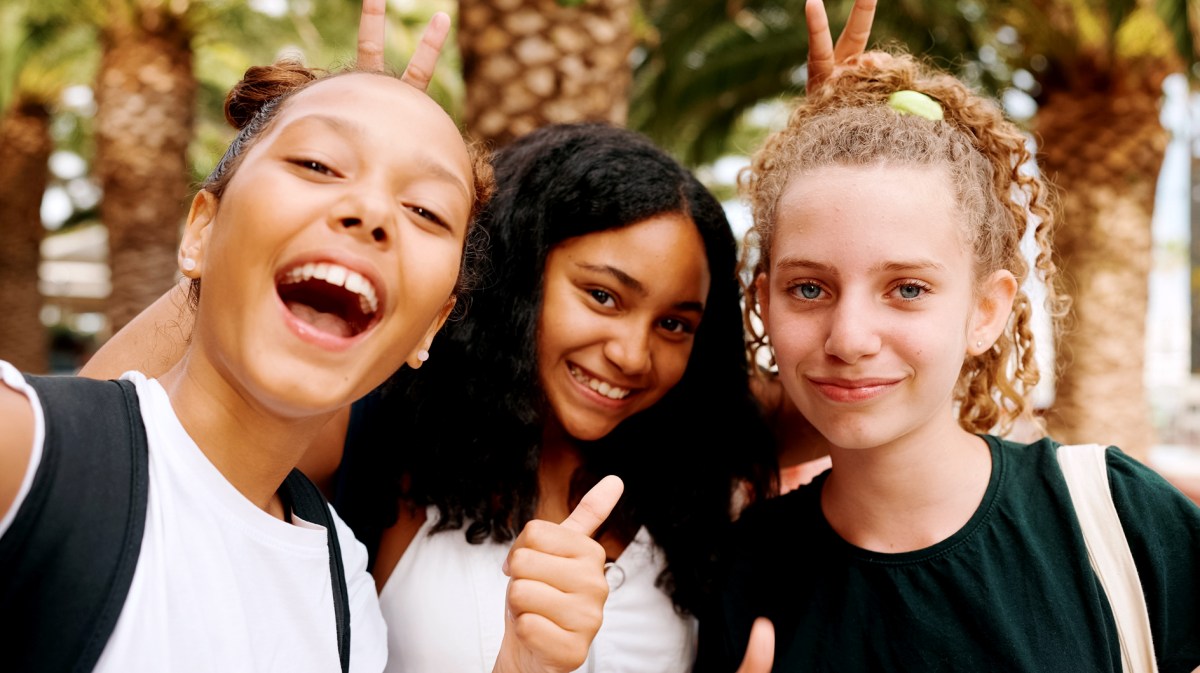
[1011,591]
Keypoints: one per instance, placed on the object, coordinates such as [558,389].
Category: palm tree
[1102,66]
[40,55]
[527,63]
[145,94]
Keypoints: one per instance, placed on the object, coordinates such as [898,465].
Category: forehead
[664,250]
[393,112]
[881,209]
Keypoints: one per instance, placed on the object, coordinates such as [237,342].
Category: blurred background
[111,113]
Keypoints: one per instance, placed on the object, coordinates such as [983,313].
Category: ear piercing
[422,355]
[979,344]
[188,264]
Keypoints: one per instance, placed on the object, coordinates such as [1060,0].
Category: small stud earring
[422,355]
[188,264]
[979,344]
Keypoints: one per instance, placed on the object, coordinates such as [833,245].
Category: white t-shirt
[220,585]
[444,605]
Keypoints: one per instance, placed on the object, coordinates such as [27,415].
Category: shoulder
[20,443]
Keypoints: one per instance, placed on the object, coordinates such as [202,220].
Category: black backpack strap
[305,500]
[67,560]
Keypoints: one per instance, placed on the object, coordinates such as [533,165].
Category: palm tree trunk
[528,63]
[1103,146]
[24,172]
[145,92]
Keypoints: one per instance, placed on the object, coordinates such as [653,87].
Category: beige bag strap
[1086,472]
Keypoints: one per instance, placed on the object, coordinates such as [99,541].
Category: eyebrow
[426,162]
[789,263]
[636,285]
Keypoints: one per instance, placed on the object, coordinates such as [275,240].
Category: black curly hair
[474,415]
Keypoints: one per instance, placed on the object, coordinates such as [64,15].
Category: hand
[760,651]
[557,588]
[371,39]
[823,57]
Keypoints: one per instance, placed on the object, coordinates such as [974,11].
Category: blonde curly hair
[848,122]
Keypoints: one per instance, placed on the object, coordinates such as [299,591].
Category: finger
[578,570]
[854,37]
[820,44]
[420,67]
[760,651]
[596,505]
[553,648]
[570,612]
[371,35]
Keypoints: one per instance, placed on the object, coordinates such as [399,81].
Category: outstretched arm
[151,343]
[823,56]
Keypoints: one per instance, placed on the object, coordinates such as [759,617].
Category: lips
[853,390]
[606,389]
[329,302]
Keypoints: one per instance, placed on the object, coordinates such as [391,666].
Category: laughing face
[620,310]
[331,257]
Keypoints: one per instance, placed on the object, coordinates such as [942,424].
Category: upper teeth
[336,274]
[603,387]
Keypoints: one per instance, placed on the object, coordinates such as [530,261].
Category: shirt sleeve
[1163,529]
[368,632]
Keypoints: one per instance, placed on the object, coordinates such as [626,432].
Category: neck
[558,461]
[252,447]
[910,493]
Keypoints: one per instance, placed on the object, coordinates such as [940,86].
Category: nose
[365,210]
[629,349]
[852,332]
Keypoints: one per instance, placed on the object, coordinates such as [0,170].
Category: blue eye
[910,291]
[808,290]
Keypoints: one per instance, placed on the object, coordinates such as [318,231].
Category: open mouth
[330,297]
[604,388]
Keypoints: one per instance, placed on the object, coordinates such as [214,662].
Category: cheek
[672,364]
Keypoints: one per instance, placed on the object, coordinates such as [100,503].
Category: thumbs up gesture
[556,588]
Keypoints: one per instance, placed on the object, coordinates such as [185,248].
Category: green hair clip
[908,102]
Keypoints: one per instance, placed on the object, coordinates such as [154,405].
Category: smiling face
[620,309]
[333,252]
[871,303]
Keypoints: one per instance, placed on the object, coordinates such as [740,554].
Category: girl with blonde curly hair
[888,275]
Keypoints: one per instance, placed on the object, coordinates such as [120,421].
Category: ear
[762,294]
[195,234]
[414,360]
[993,306]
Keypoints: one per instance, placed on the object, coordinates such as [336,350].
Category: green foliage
[709,61]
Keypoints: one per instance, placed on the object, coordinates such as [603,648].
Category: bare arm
[151,343]
[16,444]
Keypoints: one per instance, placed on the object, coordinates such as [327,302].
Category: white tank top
[444,606]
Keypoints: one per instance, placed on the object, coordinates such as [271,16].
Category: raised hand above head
[371,39]
[823,56]
[557,588]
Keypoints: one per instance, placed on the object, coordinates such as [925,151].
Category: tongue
[326,322]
